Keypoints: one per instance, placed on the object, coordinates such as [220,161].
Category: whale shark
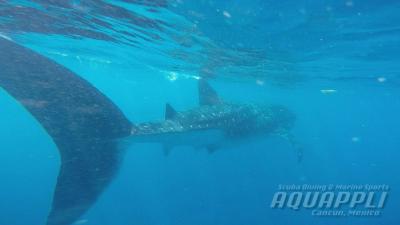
[88,128]
[214,124]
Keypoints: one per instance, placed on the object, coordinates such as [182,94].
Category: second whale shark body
[214,124]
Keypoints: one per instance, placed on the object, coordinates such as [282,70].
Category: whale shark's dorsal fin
[170,112]
[207,95]
[82,122]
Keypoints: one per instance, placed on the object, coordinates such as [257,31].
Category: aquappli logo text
[334,200]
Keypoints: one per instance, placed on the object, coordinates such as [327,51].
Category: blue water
[335,64]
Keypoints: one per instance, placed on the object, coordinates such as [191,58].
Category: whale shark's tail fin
[82,122]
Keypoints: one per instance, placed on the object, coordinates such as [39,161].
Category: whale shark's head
[253,119]
[283,118]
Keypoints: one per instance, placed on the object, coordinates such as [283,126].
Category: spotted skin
[235,121]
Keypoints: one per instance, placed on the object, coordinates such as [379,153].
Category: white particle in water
[260,82]
[227,14]
[328,91]
[381,79]
[172,76]
[196,77]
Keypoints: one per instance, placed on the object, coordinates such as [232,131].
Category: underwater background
[335,64]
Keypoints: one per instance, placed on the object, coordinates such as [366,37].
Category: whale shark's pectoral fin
[295,144]
[170,112]
[207,95]
[82,122]
[298,148]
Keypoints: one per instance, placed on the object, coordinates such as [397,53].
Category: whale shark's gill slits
[82,122]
